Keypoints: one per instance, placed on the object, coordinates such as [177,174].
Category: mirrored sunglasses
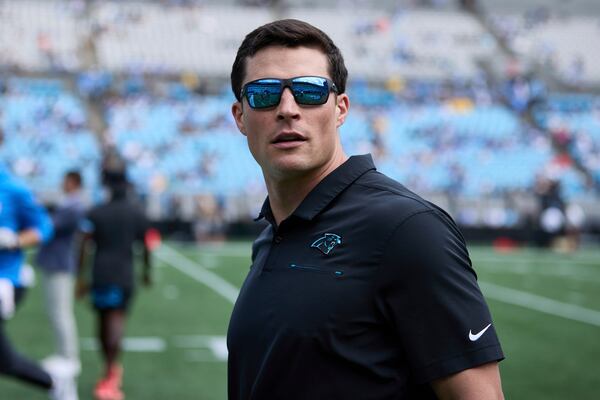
[307,91]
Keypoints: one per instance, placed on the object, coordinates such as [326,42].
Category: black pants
[15,365]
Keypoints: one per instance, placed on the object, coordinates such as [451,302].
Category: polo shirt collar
[326,190]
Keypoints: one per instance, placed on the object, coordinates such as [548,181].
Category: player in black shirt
[359,288]
[114,227]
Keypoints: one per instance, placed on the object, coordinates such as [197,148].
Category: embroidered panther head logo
[327,242]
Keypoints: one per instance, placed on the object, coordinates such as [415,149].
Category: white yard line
[541,304]
[197,272]
[217,344]
[220,249]
[152,344]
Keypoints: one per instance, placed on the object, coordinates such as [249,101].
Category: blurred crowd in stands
[562,41]
[188,161]
[434,118]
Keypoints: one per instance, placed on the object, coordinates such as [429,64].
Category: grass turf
[180,324]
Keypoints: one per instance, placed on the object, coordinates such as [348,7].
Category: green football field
[546,308]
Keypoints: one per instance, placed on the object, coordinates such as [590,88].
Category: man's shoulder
[77,203]
[95,208]
[15,187]
[72,208]
[381,194]
[97,211]
[389,204]
[112,207]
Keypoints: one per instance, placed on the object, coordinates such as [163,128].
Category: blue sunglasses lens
[310,90]
[307,90]
[263,93]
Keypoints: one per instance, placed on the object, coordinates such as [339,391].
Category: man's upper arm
[478,383]
[429,294]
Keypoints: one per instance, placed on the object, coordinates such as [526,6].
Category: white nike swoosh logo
[475,337]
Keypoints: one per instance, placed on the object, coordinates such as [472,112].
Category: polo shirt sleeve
[428,292]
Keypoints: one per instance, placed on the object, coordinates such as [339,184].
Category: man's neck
[285,195]
[71,195]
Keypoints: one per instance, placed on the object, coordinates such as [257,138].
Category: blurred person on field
[56,259]
[23,224]
[575,223]
[114,227]
[551,210]
[358,288]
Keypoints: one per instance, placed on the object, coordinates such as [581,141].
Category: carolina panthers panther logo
[327,242]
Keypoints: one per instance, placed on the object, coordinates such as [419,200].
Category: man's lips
[288,138]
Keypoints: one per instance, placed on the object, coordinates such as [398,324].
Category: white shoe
[63,373]
[63,388]
[62,365]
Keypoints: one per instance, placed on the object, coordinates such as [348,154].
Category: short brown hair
[288,33]
[75,177]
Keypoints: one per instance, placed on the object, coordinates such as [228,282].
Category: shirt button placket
[273,253]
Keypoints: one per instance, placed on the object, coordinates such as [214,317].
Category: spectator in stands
[357,286]
[114,227]
[23,224]
[210,224]
[56,259]
[551,206]
[576,70]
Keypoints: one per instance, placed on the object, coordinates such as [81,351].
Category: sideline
[490,290]
[170,256]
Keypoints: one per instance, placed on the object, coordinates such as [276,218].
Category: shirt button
[278,239]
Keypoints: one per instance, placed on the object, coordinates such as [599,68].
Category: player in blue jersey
[23,223]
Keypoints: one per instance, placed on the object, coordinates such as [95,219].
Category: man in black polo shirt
[358,289]
[115,227]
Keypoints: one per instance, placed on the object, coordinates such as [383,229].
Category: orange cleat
[115,375]
[107,389]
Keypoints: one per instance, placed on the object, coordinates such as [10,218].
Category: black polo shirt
[116,227]
[365,292]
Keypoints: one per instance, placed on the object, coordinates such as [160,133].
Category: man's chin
[290,167]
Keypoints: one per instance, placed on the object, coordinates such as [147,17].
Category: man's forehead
[286,62]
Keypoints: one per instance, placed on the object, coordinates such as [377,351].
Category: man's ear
[237,109]
[342,106]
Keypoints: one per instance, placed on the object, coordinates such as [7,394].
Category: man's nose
[287,108]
